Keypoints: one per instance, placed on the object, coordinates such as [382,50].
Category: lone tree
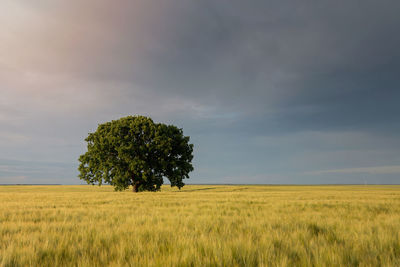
[135,151]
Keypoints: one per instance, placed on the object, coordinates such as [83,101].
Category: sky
[270,92]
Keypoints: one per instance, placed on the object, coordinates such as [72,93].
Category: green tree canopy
[135,151]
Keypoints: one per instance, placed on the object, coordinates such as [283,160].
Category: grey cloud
[372,170]
[234,55]
[50,172]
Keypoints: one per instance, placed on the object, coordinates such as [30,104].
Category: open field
[200,226]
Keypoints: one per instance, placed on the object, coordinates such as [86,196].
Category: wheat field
[206,225]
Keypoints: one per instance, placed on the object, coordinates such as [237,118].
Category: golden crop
[200,226]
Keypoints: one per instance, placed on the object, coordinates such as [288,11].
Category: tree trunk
[136,186]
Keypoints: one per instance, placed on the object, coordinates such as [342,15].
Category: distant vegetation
[200,226]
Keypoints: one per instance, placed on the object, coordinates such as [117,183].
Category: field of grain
[200,226]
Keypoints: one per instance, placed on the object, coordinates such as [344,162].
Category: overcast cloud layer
[269,91]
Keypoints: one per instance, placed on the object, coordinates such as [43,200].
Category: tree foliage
[135,151]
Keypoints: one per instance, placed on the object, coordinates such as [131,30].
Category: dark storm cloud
[321,66]
[325,57]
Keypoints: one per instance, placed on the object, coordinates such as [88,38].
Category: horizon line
[214,184]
